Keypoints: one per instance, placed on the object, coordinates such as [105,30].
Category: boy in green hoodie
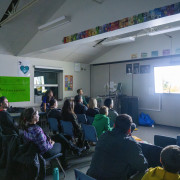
[101,121]
[170,160]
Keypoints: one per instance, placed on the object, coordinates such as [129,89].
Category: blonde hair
[92,103]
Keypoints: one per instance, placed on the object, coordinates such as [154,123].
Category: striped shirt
[37,136]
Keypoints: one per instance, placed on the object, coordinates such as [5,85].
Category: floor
[145,133]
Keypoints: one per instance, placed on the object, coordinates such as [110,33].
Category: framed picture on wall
[128,68]
[144,69]
[68,82]
[136,68]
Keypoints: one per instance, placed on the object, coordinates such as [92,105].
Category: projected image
[167,79]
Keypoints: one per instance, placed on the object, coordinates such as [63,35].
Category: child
[101,121]
[170,160]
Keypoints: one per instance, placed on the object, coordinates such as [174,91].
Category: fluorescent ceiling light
[57,22]
[118,41]
[163,31]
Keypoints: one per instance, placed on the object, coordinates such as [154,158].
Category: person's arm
[107,125]
[84,101]
[75,123]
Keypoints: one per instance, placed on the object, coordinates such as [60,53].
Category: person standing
[80,93]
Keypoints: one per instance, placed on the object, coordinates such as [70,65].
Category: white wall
[9,67]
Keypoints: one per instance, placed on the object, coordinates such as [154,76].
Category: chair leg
[61,167]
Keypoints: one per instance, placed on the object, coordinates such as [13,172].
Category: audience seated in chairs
[79,108]
[92,109]
[101,121]
[69,115]
[117,154]
[170,159]
[6,121]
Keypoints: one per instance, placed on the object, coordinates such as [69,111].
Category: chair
[89,133]
[81,176]
[164,141]
[59,163]
[90,120]
[152,154]
[178,140]
[53,124]
[67,128]
[82,118]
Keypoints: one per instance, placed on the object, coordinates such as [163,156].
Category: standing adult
[80,93]
[45,106]
[117,154]
[6,121]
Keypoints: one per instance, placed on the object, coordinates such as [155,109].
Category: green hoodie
[101,123]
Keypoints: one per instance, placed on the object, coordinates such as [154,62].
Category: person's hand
[52,142]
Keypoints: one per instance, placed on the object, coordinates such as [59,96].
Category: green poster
[16,89]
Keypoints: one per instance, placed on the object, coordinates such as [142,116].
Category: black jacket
[117,157]
[92,112]
[6,124]
[80,108]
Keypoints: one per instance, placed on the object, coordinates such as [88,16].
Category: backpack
[145,120]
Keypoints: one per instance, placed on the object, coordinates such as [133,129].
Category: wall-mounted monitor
[167,79]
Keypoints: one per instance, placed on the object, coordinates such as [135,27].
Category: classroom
[83,80]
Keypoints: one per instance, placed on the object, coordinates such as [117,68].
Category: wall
[163,109]
[9,67]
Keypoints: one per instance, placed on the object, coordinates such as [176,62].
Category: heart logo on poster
[24,69]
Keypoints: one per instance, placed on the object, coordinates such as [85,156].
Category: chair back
[53,124]
[178,140]
[164,141]
[67,128]
[82,118]
[90,120]
[89,133]
[152,154]
[81,176]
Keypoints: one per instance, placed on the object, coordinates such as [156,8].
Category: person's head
[29,116]
[103,110]
[3,102]
[80,92]
[92,103]
[109,103]
[78,99]
[49,93]
[53,103]
[123,123]
[170,158]
[68,106]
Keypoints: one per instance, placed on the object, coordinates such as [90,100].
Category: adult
[92,108]
[117,154]
[80,93]
[6,121]
[69,115]
[79,108]
[45,106]
[101,121]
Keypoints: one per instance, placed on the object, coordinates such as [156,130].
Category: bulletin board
[68,83]
[16,89]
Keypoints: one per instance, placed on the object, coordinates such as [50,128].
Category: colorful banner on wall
[136,19]
[68,83]
[16,89]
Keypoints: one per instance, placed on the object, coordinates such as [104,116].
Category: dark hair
[77,98]
[67,107]
[47,95]
[52,102]
[26,117]
[2,98]
[170,158]
[108,102]
[78,91]
[123,123]
[103,110]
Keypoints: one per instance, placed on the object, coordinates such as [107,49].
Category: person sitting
[54,112]
[92,109]
[6,121]
[45,101]
[117,155]
[79,108]
[101,121]
[170,160]
[80,93]
[69,115]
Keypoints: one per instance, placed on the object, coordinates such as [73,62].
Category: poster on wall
[136,68]
[166,52]
[68,83]
[128,68]
[24,68]
[144,69]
